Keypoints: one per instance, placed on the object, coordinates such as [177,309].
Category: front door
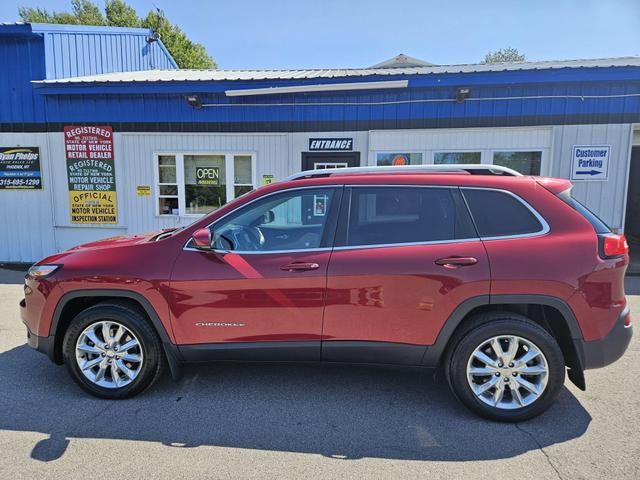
[405,257]
[260,293]
[318,161]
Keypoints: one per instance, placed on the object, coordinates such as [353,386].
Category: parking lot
[282,421]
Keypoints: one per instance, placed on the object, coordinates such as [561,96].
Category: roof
[24,28]
[230,75]
[402,60]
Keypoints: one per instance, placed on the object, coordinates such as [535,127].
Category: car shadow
[339,412]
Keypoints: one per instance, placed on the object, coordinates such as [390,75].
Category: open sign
[207,175]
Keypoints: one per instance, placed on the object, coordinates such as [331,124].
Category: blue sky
[333,33]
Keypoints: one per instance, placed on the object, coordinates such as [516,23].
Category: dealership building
[102,135]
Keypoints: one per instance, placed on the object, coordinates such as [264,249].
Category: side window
[499,214]
[392,215]
[292,220]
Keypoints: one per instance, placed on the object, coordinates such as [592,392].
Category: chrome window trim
[187,248]
[412,244]
[545,226]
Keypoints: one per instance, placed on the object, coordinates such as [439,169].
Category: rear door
[405,257]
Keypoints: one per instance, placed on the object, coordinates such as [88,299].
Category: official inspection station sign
[20,168]
[590,162]
[91,174]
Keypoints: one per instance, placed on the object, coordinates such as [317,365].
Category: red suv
[503,280]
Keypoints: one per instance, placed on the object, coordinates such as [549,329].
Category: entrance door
[318,161]
[632,220]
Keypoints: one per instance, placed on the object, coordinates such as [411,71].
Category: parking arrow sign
[590,162]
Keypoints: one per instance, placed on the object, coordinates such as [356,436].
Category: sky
[287,34]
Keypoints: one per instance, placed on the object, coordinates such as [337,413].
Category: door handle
[453,262]
[299,267]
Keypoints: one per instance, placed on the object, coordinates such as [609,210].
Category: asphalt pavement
[303,421]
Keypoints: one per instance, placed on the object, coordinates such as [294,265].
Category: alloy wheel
[109,354]
[507,372]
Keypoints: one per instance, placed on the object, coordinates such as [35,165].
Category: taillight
[613,245]
[627,320]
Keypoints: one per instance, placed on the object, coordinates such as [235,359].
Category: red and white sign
[88,142]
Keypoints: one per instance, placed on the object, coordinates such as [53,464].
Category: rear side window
[396,215]
[499,214]
[598,225]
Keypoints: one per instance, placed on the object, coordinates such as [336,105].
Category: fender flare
[171,351]
[434,353]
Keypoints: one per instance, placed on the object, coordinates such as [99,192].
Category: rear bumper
[602,352]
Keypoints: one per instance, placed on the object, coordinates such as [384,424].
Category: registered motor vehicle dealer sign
[590,162]
[91,174]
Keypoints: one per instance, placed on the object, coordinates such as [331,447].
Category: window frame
[229,166]
[398,152]
[345,215]
[543,156]
[456,150]
[545,225]
[329,227]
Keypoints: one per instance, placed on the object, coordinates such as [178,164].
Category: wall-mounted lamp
[194,100]
[462,94]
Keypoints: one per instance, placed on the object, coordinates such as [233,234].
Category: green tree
[87,12]
[118,13]
[504,55]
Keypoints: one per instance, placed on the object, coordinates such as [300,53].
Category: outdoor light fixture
[324,87]
[462,94]
[194,100]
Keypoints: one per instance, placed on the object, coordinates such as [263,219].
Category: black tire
[485,326]
[154,361]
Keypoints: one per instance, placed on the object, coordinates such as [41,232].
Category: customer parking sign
[590,162]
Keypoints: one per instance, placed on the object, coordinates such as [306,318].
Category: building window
[527,163]
[453,158]
[242,176]
[196,184]
[167,185]
[388,159]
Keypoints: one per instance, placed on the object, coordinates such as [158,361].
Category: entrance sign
[91,174]
[330,144]
[20,168]
[590,162]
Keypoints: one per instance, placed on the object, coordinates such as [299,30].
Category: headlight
[41,271]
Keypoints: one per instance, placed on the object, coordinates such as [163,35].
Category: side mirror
[269,217]
[202,239]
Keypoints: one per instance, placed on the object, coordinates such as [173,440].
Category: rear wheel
[505,367]
[112,352]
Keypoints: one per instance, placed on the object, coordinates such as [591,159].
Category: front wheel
[112,352]
[507,368]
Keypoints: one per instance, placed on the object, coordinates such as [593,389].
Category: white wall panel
[26,225]
[135,165]
[605,198]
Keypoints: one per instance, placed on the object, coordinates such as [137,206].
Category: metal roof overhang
[519,78]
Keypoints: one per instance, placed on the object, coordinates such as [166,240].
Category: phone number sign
[20,168]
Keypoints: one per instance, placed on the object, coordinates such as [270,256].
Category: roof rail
[472,169]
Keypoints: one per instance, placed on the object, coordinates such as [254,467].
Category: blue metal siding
[70,54]
[22,60]
[38,52]
[488,107]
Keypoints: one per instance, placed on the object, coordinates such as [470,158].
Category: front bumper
[604,351]
[42,344]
